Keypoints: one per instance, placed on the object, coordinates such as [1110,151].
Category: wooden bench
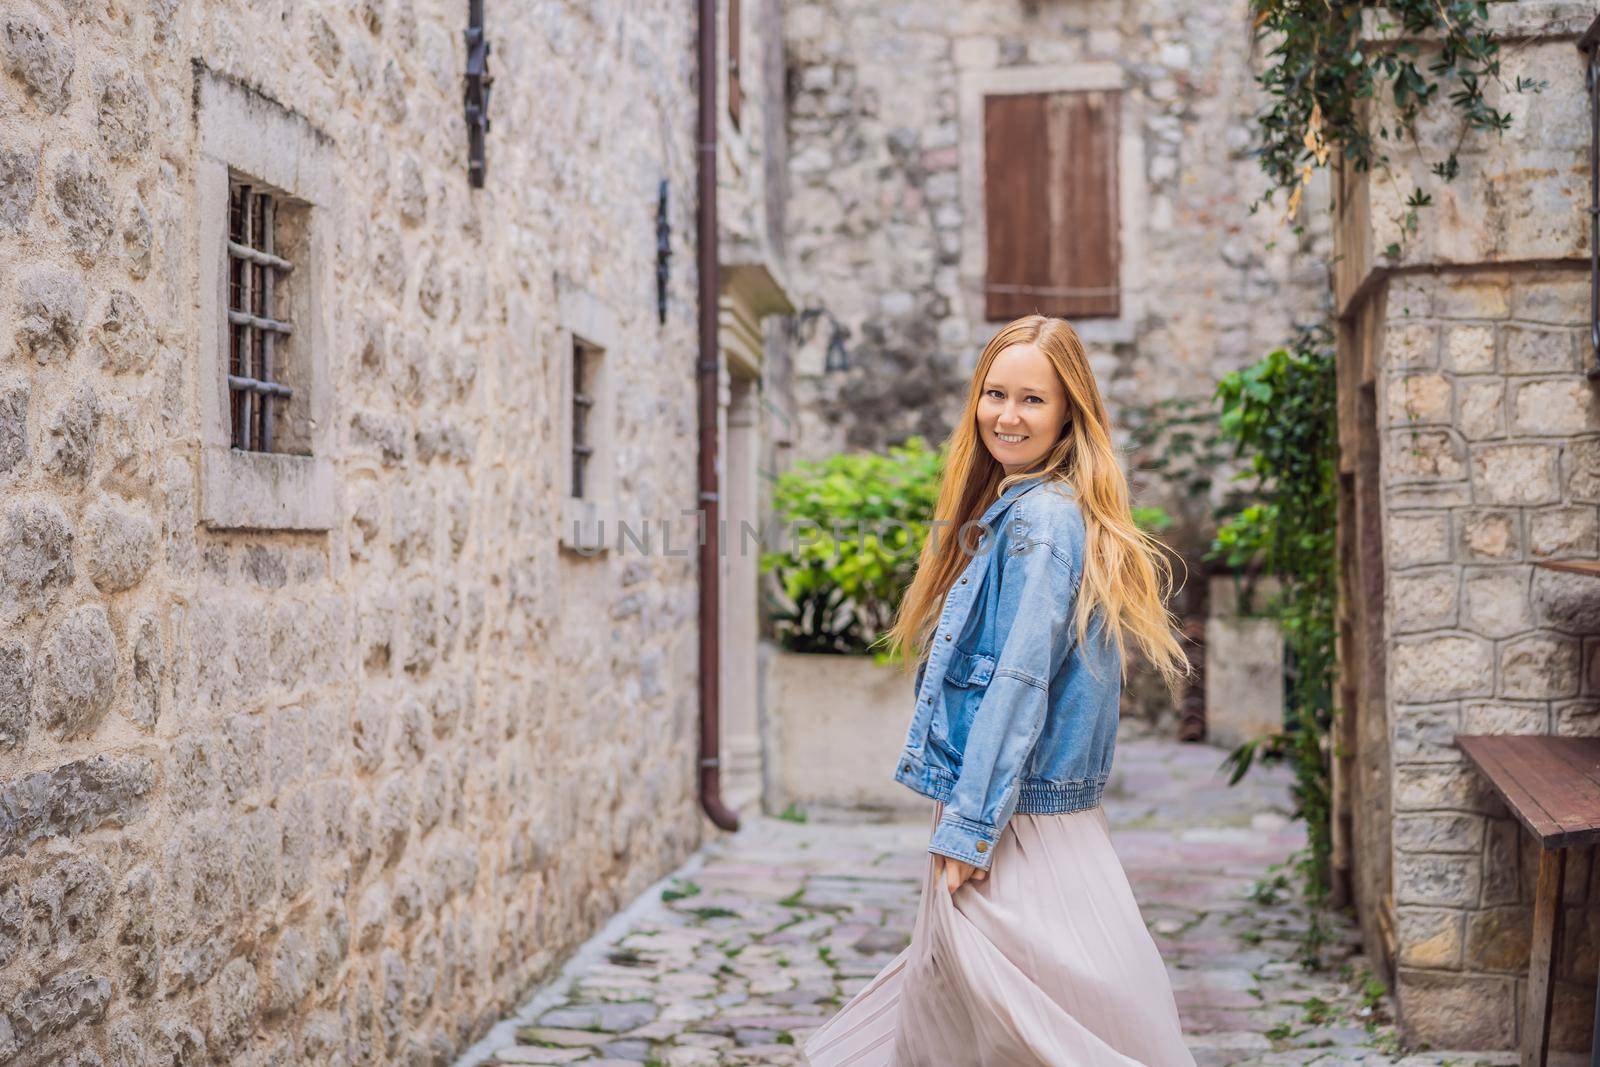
[1552,786]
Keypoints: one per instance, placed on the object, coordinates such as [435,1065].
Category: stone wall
[883,177]
[885,228]
[1493,462]
[1489,438]
[340,796]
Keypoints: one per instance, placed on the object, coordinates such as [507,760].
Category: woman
[1028,948]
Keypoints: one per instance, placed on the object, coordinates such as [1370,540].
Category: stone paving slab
[756,941]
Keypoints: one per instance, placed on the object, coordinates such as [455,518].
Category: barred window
[257,330]
[587,343]
[264,183]
[584,358]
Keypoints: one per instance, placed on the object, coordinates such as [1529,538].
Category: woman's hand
[956,872]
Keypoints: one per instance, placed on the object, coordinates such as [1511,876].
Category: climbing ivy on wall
[1280,414]
[1353,77]
[1328,60]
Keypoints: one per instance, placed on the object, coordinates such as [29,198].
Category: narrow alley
[763,934]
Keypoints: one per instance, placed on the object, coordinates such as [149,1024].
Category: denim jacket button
[983,846]
[906,767]
[947,637]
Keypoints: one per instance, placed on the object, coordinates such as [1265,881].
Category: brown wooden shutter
[735,90]
[1050,205]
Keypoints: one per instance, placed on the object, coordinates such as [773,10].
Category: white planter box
[1244,668]
[832,729]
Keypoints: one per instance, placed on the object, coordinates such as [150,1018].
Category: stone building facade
[325,752]
[889,230]
[1470,437]
[887,214]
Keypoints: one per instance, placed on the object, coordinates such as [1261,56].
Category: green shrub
[854,525]
[1281,414]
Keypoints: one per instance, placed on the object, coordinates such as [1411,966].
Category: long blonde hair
[1126,575]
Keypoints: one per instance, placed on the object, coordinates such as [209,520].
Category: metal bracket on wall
[477,94]
[803,324]
[663,251]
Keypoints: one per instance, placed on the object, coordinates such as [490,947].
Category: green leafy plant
[856,523]
[1265,890]
[1317,1011]
[1280,414]
[679,890]
[1151,517]
[1327,62]
[1176,440]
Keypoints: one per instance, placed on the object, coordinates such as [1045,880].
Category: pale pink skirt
[1045,963]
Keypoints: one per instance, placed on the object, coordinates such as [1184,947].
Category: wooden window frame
[1052,215]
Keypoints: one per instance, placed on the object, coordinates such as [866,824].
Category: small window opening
[584,358]
[257,332]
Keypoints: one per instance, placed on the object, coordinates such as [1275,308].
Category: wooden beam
[1542,958]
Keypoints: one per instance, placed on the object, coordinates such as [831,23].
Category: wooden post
[1542,958]
[1594,1042]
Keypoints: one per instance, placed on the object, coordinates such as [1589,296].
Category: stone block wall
[1488,432]
[334,796]
[1491,439]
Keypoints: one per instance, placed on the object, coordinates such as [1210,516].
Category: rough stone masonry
[886,219]
[885,223]
[334,796]
[1472,334]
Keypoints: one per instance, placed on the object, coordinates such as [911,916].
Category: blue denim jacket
[1013,712]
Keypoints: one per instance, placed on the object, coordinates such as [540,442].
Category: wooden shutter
[1050,205]
[735,89]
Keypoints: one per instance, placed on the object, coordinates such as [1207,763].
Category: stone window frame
[244,133]
[975,86]
[582,317]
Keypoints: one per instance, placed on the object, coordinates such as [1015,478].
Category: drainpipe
[708,369]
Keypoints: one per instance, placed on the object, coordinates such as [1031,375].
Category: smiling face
[1023,408]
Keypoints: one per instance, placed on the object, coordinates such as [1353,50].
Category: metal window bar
[253,328]
[582,403]
[1589,45]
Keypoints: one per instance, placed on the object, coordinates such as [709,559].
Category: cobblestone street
[765,933]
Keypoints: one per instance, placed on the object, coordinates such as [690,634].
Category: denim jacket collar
[1010,494]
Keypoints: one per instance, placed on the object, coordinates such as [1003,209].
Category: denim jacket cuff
[963,839]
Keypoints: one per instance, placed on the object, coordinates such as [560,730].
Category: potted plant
[835,706]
